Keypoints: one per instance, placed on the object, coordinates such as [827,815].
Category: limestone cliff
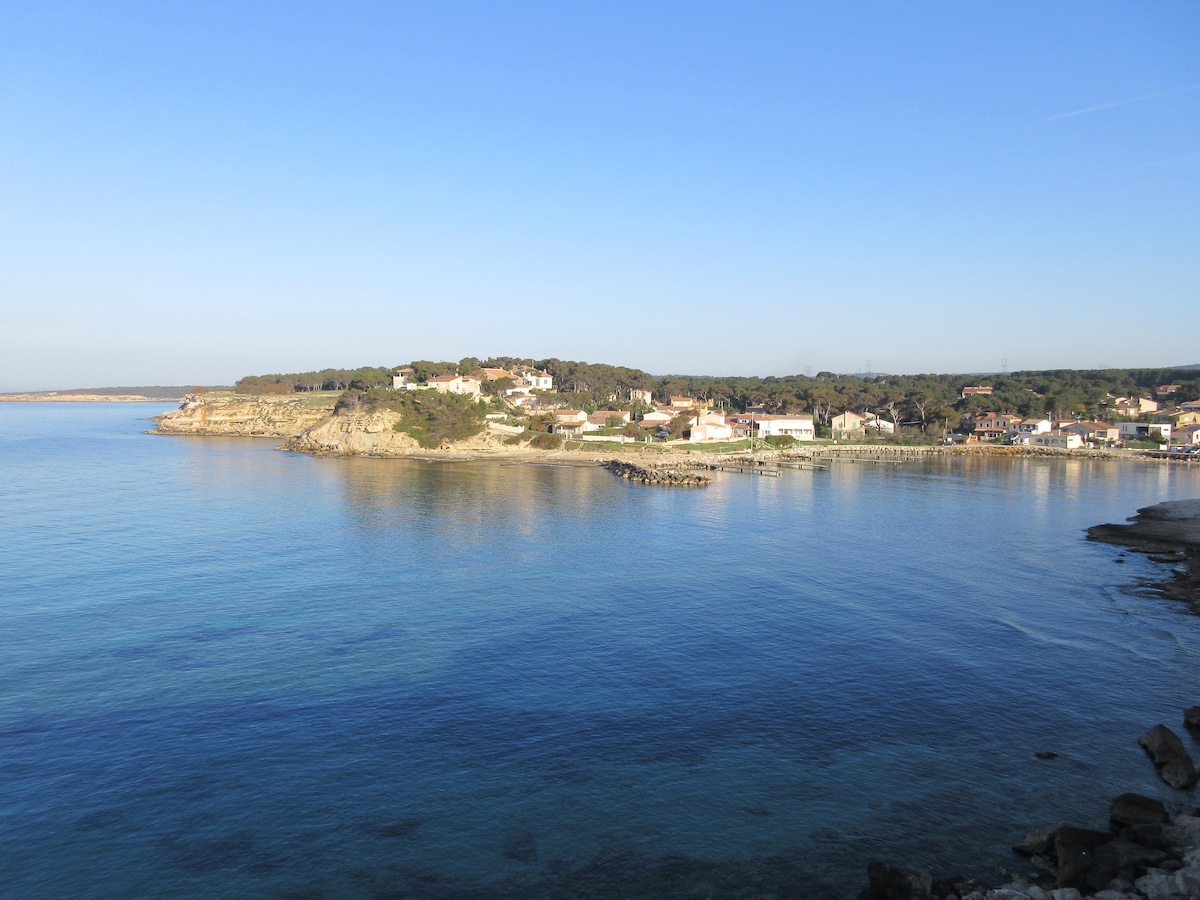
[361,432]
[270,415]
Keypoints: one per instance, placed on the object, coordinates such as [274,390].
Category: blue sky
[192,192]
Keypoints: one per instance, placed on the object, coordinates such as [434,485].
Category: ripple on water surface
[234,671]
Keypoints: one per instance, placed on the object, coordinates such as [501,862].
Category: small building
[1190,406]
[637,395]
[1143,431]
[1094,432]
[570,415]
[539,380]
[1188,435]
[799,427]
[1029,426]
[711,427]
[496,374]
[456,384]
[660,415]
[402,378]
[1059,441]
[846,423]
[984,389]
[1166,390]
[686,403]
[1135,406]
[609,418]
[1186,417]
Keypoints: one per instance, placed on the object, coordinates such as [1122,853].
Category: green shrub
[546,441]
[430,417]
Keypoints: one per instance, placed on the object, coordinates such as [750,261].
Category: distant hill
[149,392]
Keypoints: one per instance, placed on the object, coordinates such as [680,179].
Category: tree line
[913,400]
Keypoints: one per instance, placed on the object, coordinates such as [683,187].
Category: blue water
[227,670]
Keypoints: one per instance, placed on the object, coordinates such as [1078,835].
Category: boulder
[1075,849]
[1121,860]
[894,883]
[1166,749]
[1040,842]
[1136,809]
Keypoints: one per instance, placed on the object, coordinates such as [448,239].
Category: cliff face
[355,433]
[373,433]
[272,415]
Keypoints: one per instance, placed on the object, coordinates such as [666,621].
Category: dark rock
[1179,774]
[1075,849]
[894,883]
[1121,860]
[650,475]
[1135,809]
[1046,754]
[1040,842]
[1155,837]
[1191,717]
[1166,749]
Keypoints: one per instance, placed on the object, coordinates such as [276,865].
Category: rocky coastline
[1169,533]
[1147,853]
[307,423]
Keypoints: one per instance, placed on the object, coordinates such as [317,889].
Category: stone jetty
[655,475]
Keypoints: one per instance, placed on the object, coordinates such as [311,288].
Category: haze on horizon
[193,193]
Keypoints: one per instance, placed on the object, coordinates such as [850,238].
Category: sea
[232,671]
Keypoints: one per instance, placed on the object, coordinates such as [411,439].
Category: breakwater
[655,475]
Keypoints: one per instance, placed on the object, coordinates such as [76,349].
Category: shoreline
[1168,533]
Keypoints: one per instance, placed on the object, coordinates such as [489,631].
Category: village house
[1188,434]
[497,374]
[1135,406]
[711,427]
[687,403]
[609,418]
[1182,419]
[799,427]
[1166,390]
[402,379]
[984,390]
[456,384]
[846,423]
[991,426]
[1141,431]
[1029,426]
[1061,441]
[659,416]
[1190,406]
[1093,432]
[571,422]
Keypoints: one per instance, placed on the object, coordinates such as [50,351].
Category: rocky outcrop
[224,413]
[653,475]
[1171,757]
[1170,532]
[1135,809]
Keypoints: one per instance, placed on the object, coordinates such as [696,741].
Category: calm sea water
[231,671]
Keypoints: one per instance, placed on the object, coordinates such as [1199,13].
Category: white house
[456,384]
[711,427]
[798,426]
[1132,431]
[1029,426]
[402,379]
[1068,441]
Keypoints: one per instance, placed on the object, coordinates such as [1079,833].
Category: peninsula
[505,406]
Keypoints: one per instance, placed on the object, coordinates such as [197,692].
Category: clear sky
[190,192]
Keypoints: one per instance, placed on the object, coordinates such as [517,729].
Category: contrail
[1088,109]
